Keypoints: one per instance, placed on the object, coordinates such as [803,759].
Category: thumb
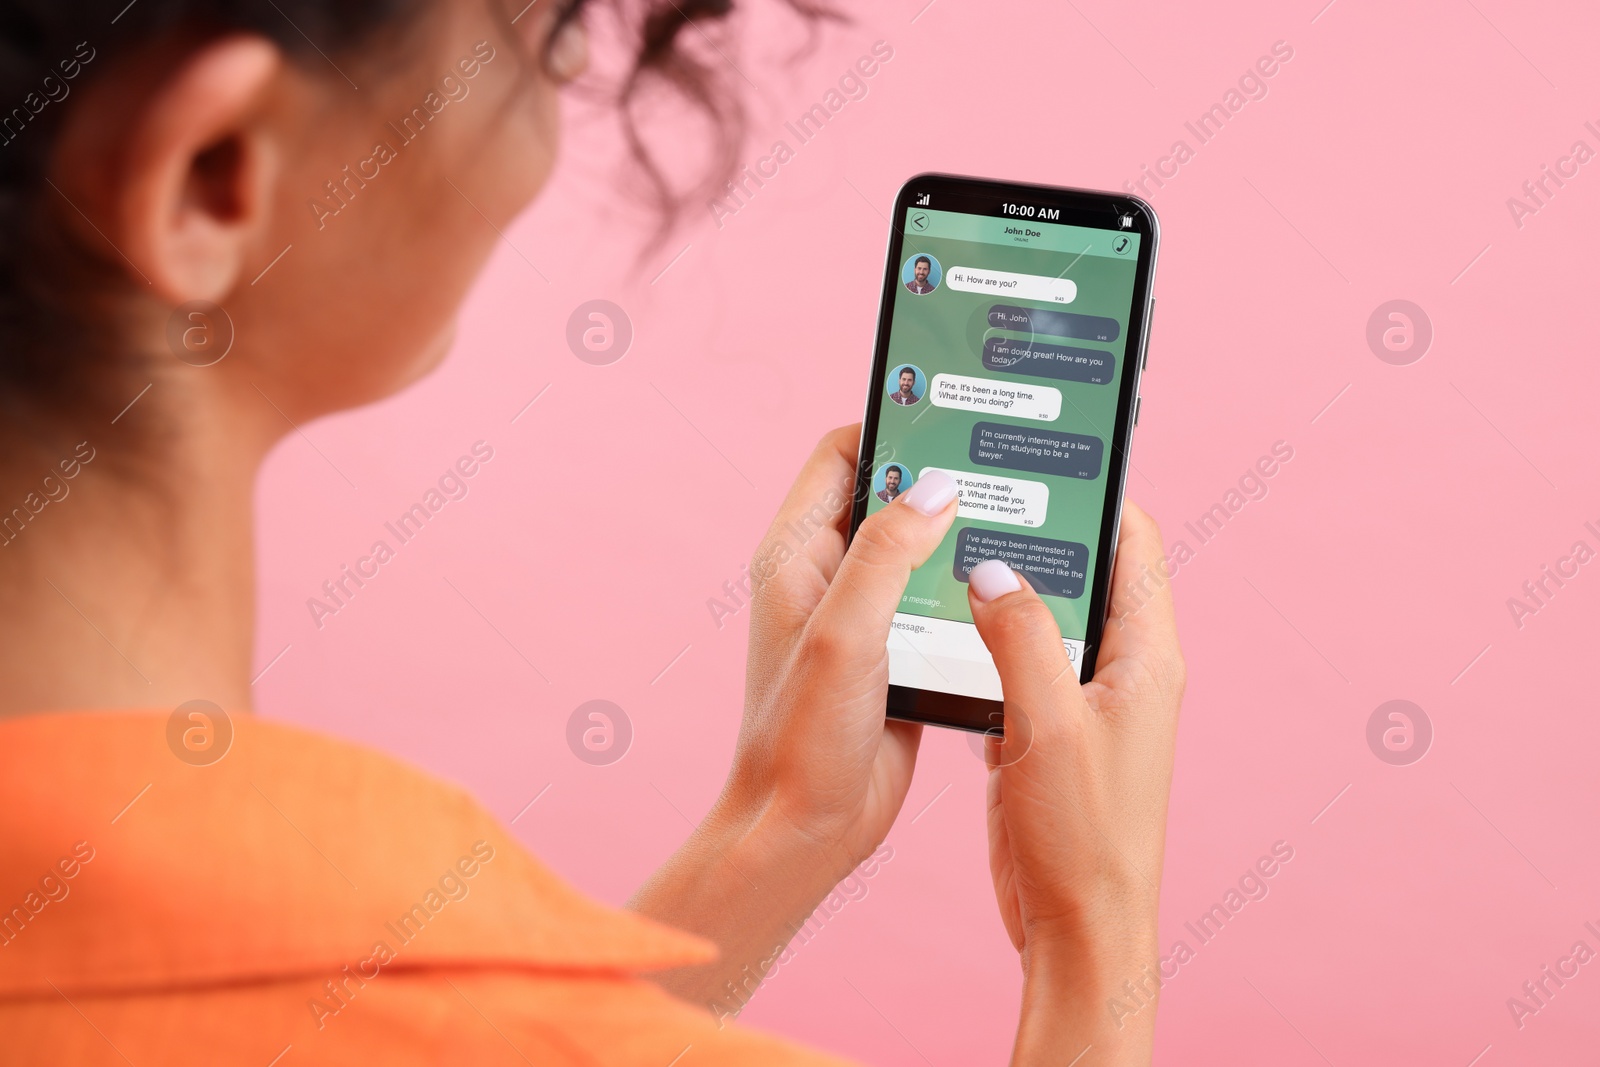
[1023,637]
[865,593]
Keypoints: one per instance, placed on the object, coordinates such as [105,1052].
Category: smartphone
[1011,337]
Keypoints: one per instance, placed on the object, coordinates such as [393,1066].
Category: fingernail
[932,493]
[992,579]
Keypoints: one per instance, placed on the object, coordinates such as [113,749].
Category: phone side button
[1136,402]
[1149,323]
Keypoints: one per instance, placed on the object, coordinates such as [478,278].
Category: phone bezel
[1079,207]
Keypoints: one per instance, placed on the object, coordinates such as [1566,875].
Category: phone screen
[1008,359]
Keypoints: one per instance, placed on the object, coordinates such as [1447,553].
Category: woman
[182,887]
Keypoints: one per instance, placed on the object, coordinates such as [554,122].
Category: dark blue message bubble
[1022,448]
[1039,360]
[1044,323]
[1054,568]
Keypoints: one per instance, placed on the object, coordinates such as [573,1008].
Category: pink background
[1378,567]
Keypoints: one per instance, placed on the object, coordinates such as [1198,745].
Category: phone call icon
[1120,245]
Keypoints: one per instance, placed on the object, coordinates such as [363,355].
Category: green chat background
[942,332]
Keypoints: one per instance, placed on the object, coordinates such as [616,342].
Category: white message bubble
[1020,401]
[1014,501]
[1040,287]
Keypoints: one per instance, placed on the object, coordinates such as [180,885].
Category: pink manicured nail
[992,579]
[932,493]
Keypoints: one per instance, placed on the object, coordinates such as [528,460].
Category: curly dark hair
[59,298]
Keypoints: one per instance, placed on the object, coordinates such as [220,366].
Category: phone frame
[1079,207]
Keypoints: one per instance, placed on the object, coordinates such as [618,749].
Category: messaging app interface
[1007,350]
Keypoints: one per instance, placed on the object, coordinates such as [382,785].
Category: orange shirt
[305,901]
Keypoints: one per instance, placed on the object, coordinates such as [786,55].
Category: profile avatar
[919,282]
[906,395]
[891,485]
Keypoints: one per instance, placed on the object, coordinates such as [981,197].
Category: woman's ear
[174,165]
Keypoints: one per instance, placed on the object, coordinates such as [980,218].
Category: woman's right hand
[1078,807]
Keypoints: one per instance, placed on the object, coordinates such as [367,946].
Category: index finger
[1141,621]
[809,525]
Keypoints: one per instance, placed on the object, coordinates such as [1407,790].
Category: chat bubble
[1040,360]
[1039,287]
[1042,322]
[1053,568]
[1020,401]
[1021,448]
[1015,501]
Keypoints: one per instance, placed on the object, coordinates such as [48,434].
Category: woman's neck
[126,584]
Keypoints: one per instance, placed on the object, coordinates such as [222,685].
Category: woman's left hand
[819,774]
[815,746]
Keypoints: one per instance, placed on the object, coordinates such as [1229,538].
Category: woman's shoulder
[268,892]
[133,862]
